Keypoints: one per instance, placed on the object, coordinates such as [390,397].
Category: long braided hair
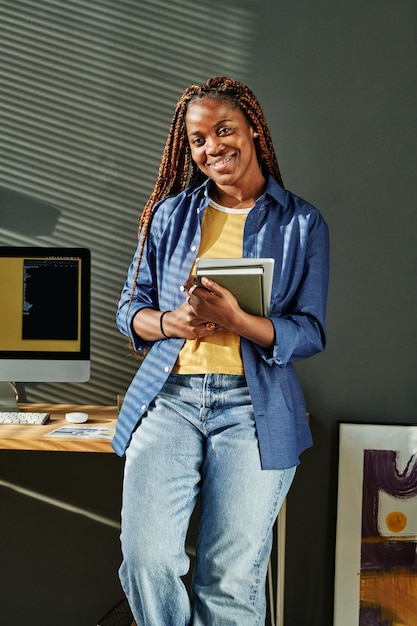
[177,169]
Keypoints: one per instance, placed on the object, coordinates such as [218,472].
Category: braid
[177,169]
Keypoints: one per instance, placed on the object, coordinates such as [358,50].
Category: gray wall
[338,84]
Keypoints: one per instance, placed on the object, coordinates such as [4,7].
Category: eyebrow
[222,121]
[216,125]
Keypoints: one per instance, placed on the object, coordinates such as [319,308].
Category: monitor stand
[8,397]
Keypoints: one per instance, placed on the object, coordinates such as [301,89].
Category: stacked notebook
[250,280]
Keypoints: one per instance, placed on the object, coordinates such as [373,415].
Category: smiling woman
[222,146]
[215,408]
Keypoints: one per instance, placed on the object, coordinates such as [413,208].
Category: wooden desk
[22,437]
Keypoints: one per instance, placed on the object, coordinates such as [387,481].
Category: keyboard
[23,417]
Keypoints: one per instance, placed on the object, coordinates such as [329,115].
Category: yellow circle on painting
[396,521]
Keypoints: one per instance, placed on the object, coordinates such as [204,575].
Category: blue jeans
[198,436]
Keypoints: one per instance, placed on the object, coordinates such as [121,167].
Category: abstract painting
[376,539]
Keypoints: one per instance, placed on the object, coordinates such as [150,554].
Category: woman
[216,408]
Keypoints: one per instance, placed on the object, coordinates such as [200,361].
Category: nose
[214,145]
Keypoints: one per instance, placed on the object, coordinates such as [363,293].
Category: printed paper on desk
[82,432]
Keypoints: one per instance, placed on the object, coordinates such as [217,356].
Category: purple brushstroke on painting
[372,617]
[381,473]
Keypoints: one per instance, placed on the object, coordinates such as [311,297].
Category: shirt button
[143,407]
[182,288]
[193,248]
[166,369]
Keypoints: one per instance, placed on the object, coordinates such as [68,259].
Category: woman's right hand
[181,322]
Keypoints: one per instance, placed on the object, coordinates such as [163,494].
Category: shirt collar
[276,192]
[272,189]
[200,188]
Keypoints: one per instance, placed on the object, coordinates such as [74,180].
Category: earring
[255,135]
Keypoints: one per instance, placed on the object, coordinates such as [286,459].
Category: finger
[211,285]
[189,282]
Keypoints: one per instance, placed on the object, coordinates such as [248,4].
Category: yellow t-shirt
[218,353]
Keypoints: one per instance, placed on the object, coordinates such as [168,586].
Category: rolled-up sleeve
[135,297]
[300,327]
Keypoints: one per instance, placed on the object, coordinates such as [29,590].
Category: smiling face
[222,145]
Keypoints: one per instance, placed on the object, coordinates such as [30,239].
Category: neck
[237,198]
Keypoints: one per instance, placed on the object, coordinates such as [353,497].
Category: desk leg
[281,531]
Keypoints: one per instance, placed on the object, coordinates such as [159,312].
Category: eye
[198,141]
[224,130]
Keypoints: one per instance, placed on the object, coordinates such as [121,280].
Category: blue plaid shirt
[280,225]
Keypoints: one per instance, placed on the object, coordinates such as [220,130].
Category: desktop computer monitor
[44,314]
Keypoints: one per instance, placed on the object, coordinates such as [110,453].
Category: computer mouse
[76,417]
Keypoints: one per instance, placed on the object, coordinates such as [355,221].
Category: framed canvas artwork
[376,538]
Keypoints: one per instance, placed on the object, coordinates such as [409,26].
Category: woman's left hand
[218,306]
[212,302]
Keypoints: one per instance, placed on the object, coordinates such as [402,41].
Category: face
[222,143]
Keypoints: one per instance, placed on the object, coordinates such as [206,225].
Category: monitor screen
[44,314]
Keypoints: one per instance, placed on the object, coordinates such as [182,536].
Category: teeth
[222,162]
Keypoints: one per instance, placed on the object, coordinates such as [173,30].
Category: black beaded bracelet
[160,324]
